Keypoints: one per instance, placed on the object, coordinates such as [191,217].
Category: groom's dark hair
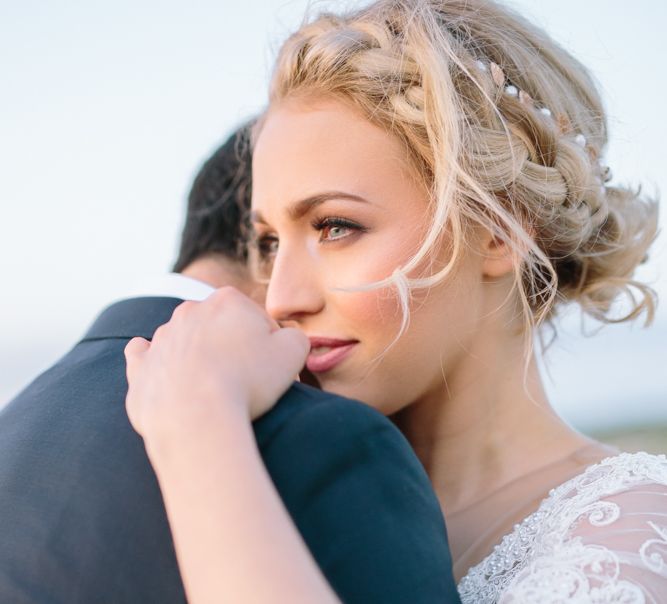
[218,203]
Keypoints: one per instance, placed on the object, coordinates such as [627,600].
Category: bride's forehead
[305,151]
[327,125]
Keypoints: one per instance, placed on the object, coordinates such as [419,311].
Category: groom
[81,516]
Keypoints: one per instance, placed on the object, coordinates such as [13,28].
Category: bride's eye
[334,229]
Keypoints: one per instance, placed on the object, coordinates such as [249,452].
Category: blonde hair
[487,157]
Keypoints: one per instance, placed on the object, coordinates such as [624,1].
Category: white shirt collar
[174,285]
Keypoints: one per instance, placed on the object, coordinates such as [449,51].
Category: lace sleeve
[609,548]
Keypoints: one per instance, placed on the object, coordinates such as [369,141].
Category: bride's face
[336,205]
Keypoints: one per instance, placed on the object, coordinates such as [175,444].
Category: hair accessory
[526,99]
[498,75]
[562,121]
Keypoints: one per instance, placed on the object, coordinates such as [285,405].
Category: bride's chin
[356,391]
[335,385]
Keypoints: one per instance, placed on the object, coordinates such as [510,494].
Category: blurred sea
[611,381]
[652,439]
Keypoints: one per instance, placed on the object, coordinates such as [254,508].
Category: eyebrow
[300,208]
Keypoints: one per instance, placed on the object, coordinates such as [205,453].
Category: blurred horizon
[108,111]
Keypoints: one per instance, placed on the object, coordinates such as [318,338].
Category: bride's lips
[331,354]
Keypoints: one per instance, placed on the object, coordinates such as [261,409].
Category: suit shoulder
[362,501]
[321,423]
[306,409]
[318,406]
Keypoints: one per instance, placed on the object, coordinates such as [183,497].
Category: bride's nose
[294,291]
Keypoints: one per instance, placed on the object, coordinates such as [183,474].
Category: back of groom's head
[216,218]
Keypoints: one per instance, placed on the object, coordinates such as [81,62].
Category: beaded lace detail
[600,537]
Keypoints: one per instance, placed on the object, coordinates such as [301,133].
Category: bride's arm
[192,395]
[234,540]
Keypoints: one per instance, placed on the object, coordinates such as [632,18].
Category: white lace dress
[600,537]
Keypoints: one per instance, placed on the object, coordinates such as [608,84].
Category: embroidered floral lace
[600,537]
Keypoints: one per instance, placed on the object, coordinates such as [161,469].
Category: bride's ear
[499,258]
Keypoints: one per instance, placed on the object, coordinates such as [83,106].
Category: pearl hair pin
[499,78]
[580,139]
[561,121]
[526,99]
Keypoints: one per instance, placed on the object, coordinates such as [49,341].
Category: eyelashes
[333,225]
[331,229]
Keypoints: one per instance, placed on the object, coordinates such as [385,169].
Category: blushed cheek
[375,316]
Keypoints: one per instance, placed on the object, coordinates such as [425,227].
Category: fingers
[293,347]
[135,347]
[234,303]
[183,309]
[223,295]
[134,352]
[291,344]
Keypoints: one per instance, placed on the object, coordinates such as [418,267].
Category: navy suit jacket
[81,515]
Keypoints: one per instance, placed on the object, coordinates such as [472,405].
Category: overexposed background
[108,109]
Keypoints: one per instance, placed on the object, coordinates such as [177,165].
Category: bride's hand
[219,356]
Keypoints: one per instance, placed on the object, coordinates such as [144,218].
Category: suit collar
[133,317]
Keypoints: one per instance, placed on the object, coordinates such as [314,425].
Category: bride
[428,191]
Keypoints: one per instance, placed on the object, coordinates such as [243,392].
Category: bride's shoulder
[633,477]
[599,536]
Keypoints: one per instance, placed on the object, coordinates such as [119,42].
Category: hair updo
[418,69]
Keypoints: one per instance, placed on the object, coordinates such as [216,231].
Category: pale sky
[107,110]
